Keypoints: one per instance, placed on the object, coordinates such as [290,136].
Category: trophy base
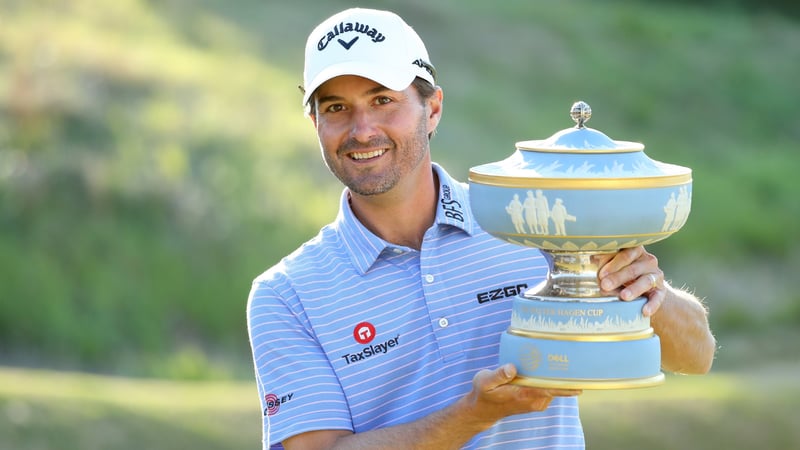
[555,383]
[581,344]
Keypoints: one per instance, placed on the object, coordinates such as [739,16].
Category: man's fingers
[654,301]
[621,259]
[487,380]
[634,271]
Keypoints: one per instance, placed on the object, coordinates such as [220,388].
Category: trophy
[577,196]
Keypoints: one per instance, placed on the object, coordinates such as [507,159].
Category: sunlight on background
[154,159]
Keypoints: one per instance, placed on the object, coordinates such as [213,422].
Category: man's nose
[363,126]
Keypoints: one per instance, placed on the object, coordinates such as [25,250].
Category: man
[375,334]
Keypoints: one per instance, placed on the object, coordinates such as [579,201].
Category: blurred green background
[154,159]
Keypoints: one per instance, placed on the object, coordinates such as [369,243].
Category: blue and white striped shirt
[352,332]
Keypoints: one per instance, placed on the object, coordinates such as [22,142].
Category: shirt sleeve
[298,388]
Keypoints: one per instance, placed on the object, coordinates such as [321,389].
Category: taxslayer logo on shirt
[364,333]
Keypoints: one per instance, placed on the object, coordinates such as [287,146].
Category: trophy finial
[580,112]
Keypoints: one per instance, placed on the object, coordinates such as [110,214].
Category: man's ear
[435,103]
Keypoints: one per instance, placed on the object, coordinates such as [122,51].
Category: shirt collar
[364,247]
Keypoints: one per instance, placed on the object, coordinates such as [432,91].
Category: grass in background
[42,410]
[756,408]
[154,157]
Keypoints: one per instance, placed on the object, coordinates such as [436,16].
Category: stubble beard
[368,182]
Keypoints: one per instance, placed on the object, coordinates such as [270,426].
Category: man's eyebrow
[329,98]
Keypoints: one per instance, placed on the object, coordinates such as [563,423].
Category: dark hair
[425,91]
[424,88]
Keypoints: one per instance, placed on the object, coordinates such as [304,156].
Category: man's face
[371,136]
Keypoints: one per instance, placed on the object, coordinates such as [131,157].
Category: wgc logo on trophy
[577,195]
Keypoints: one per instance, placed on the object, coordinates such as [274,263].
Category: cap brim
[394,78]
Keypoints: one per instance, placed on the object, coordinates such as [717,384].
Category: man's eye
[334,108]
[383,100]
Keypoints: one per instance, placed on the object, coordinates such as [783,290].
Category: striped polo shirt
[352,332]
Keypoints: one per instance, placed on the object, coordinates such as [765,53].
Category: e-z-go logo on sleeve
[364,333]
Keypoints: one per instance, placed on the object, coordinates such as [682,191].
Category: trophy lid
[580,138]
[580,157]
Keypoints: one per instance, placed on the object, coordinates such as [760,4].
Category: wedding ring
[653,280]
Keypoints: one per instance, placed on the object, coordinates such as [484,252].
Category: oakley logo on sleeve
[273,403]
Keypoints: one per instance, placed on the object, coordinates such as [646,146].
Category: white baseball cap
[369,43]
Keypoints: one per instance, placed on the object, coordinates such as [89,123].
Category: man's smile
[361,156]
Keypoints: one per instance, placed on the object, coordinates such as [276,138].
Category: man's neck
[402,215]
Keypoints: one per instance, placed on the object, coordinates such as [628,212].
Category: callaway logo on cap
[369,43]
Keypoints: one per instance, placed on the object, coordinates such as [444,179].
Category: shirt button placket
[443,322]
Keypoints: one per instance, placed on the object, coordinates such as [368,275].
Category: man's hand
[636,273]
[687,345]
[494,397]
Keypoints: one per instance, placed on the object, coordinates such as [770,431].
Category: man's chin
[369,189]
